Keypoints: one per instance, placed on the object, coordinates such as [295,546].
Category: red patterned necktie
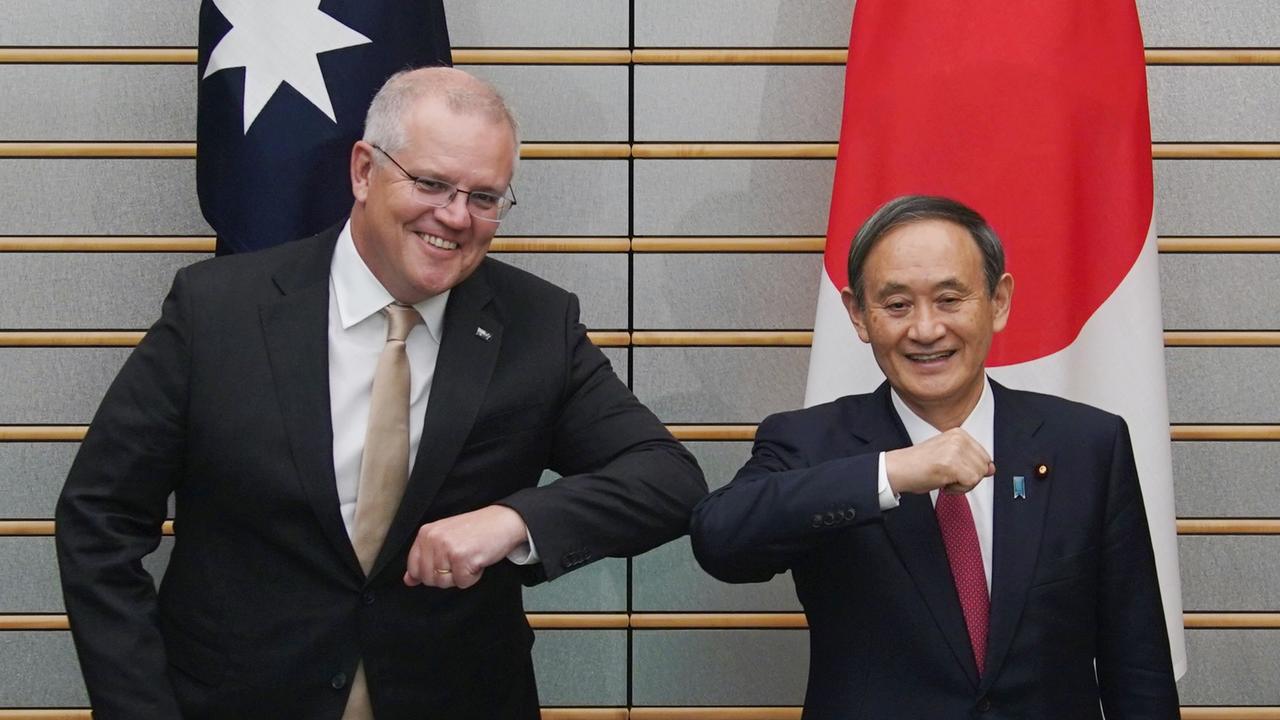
[960,537]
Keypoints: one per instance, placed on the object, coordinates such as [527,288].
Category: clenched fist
[455,551]
[953,462]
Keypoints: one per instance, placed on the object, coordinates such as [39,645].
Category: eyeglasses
[486,206]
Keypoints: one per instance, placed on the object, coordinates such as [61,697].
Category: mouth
[930,358]
[436,242]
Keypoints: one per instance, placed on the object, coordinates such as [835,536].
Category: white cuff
[888,500]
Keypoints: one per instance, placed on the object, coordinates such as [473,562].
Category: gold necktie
[384,466]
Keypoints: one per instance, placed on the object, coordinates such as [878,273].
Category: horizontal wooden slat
[705,621]
[793,713]
[577,621]
[1231,713]
[129,338]
[1221,338]
[728,244]
[1183,244]
[71,433]
[1225,432]
[570,56]
[698,338]
[1229,526]
[606,150]
[188,150]
[734,150]
[205,244]
[44,528]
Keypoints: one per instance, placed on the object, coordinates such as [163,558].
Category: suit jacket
[263,610]
[1073,576]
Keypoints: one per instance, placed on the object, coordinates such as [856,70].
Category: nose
[926,325]
[455,215]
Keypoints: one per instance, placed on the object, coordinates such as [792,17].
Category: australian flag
[283,90]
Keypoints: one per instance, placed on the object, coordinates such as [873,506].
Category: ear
[361,170]
[1001,302]
[856,314]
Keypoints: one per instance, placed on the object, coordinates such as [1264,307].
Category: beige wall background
[652,126]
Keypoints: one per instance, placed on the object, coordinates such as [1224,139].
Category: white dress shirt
[981,426]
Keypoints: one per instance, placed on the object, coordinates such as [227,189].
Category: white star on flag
[277,42]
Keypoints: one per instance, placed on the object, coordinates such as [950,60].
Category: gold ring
[443,571]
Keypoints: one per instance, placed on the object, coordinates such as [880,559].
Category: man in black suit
[1029,591]
[249,401]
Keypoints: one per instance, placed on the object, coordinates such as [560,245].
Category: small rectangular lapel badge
[483,334]
[1019,487]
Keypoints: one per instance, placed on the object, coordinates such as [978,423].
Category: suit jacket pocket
[1067,567]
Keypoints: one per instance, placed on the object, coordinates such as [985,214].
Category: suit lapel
[296,332]
[463,368]
[1017,522]
[913,530]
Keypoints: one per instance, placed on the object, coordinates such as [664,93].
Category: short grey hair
[461,91]
[909,209]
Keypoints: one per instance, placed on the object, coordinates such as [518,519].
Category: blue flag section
[283,90]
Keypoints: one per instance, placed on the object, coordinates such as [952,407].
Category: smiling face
[415,250]
[929,318]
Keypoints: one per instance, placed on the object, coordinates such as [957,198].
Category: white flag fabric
[1034,114]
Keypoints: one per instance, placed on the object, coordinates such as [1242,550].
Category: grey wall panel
[734,23]
[581,667]
[1214,103]
[732,197]
[99,197]
[537,23]
[720,461]
[599,280]
[1223,384]
[29,566]
[85,291]
[741,103]
[63,385]
[98,102]
[729,290]
[719,667]
[569,197]
[1231,667]
[564,103]
[1217,197]
[715,384]
[1230,572]
[1206,291]
[599,587]
[1212,23]
[40,670]
[620,359]
[31,476]
[1226,479]
[668,579]
[107,23]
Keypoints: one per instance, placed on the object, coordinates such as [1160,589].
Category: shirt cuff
[884,491]
[527,554]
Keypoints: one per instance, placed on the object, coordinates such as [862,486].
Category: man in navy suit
[961,549]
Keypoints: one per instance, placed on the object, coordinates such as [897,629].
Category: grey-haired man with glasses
[353,427]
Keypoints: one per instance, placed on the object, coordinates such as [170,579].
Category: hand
[953,462]
[463,545]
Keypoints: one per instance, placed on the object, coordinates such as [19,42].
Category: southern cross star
[277,42]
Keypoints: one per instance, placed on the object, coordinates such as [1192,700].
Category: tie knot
[400,320]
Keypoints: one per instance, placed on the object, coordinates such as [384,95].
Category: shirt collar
[979,424]
[359,294]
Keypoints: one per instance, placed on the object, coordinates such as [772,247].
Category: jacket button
[850,514]
[983,704]
[817,521]
[367,598]
[830,519]
[339,681]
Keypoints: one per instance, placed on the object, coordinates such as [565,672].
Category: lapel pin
[1019,487]
[1042,471]
[483,334]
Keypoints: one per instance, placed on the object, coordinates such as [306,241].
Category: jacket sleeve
[1135,671]
[627,485]
[109,516]
[781,505]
